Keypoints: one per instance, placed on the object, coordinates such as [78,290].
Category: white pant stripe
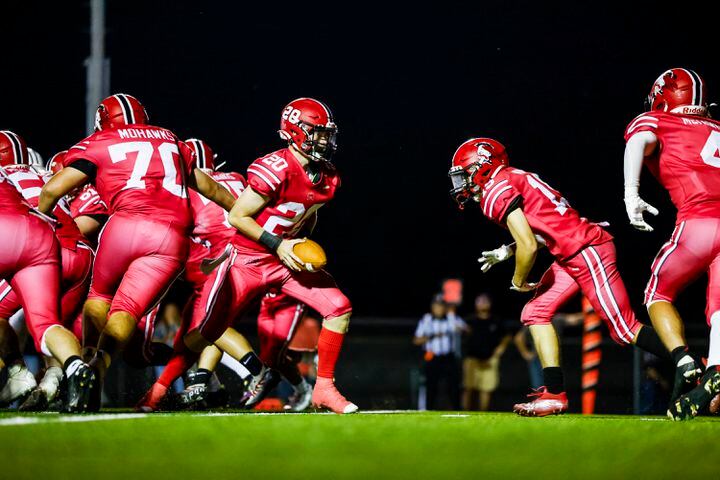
[610,293]
[599,293]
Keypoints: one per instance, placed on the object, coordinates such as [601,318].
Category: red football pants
[136,262]
[30,262]
[693,249]
[245,275]
[593,271]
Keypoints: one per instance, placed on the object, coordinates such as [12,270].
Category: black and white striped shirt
[443,333]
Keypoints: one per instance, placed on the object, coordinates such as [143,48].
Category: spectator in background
[485,345]
[436,333]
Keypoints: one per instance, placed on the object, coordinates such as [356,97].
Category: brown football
[311,254]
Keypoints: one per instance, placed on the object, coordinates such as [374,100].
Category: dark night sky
[556,84]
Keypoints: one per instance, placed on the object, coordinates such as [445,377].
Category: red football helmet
[308,124]
[13,149]
[119,110]
[473,163]
[203,153]
[57,162]
[679,90]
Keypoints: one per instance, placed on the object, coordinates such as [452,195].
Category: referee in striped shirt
[437,332]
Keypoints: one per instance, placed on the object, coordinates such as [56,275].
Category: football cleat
[153,399]
[82,383]
[194,397]
[686,376]
[689,405]
[544,403]
[37,401]
[259,387]
[300,399]
[326,395]
[20,382]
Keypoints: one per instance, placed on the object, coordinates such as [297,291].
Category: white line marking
[70,419]
[454,415]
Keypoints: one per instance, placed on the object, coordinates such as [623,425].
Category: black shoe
[689,405]
[81,385]
[36,402]
[259,387]
[686,377]
[194,397]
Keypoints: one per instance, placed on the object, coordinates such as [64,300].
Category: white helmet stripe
[17,147]
[697,93]
[200,152]
[695,84]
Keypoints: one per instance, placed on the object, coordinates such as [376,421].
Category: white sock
[301,387]
[50,383]
[714,353]
[234,365]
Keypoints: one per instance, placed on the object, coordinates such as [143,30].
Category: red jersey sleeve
[498,200]
[81,150]
[265,175]
[646,122]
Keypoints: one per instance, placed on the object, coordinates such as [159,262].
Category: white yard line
[454,415]
[70,419]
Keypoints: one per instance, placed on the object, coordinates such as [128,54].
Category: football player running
[285,189]
[210,235]
[30,262]
[141,173]
[680,145]
[584,259]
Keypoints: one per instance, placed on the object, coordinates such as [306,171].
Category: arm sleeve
[646,122]
[86,167]
[420,330]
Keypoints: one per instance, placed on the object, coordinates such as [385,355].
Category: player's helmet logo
[308,124]
[678,90]
[204,156]
[56,163]
[13,149]
[119,110]
[472,166]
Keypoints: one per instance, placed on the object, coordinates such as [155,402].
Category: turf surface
[369,446]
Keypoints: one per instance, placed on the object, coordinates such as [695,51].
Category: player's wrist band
[270,241]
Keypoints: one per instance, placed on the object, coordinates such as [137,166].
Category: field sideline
[371,445]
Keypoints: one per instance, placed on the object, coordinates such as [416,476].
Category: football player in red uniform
[30,262]
[584,259]
[680,145]
[141,172]
[210,235]
[285,189]
[76,262]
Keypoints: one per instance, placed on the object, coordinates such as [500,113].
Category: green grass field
[368,446]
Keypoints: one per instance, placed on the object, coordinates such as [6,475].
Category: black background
[407,83]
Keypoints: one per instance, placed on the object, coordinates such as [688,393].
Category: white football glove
[525,287]
[635,206]
[491,257]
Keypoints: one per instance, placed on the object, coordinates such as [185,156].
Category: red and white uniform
[584,252]
[29,261]
[252,270]
[140,173]
[76,254]
[87,202]
[687,164]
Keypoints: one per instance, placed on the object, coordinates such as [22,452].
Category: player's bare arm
[58,186]
[211,189]
[638,147]
[526,247]
[241,217]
